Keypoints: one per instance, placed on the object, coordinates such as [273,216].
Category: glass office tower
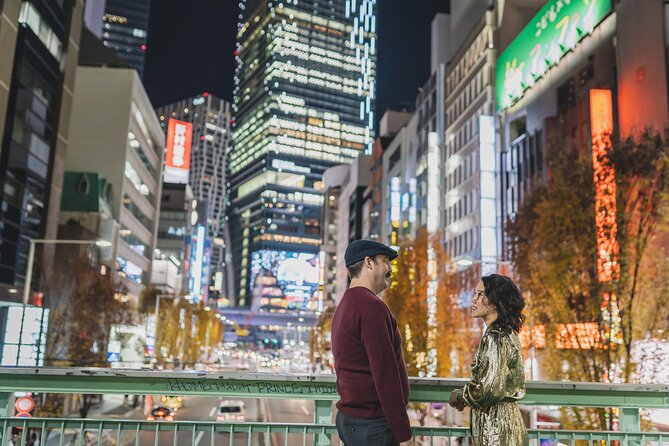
[125,27]
[303,101]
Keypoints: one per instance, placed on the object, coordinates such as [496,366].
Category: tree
[186,333]
[83,305]
[407,297]
[642,181]
[554,254]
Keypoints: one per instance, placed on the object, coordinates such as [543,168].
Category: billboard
[198,283]
[22,335]
[284,279]
[554,31]
[177,152]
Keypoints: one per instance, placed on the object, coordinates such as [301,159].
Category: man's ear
[369,264]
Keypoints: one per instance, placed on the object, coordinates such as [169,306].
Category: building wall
[174,232]
[39,49]
[123,142]
[469,97]
[93,16]
[9,19]
[642,41]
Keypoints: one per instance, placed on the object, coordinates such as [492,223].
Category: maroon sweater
[371,375]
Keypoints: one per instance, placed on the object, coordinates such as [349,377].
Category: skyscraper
[125,27]
[40,43]
[304,101]
[208,176]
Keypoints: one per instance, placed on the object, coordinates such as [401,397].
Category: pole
[29,273]
[155,327]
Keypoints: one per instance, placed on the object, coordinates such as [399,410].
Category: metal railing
[630,399]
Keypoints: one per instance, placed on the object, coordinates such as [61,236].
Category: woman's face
[481,307]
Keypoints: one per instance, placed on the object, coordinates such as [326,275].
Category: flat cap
[359,249]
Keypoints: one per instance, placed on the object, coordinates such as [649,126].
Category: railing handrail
[305,386]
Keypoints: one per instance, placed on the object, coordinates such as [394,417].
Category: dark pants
[361,432]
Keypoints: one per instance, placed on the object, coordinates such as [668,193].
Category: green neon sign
[556,29]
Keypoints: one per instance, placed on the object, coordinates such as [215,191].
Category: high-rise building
[304,101]
[344,217]
[40,41]
[208,177]
[125,29]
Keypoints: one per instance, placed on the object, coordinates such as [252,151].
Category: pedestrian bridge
[630,399]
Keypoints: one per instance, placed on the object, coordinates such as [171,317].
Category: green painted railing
[320,388]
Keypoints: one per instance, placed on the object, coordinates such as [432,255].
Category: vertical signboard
[177,153]
[608,268]
[488,193]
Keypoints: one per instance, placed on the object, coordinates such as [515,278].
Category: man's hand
[454,403]
[408,443]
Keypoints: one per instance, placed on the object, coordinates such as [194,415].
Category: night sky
[190,47]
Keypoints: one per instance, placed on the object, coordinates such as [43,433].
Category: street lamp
[468,261]
[31,257]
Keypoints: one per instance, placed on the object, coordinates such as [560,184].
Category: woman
[497,379]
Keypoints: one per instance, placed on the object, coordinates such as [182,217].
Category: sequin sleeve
[489,372]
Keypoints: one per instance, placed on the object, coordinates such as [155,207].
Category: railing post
[322,415]
[6,400]
[630,421]
[5,404]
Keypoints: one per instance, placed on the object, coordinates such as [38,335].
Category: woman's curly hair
[505,296]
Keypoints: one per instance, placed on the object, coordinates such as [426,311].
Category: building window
[83,186]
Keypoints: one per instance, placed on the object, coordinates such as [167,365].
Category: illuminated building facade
[344,217]
[128,154]
[208,176]
[577,73]
[303,101]
[125,27]
[399,200]
[391,123]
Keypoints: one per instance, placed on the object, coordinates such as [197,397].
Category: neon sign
[177,153]
[554,31]
[608,267]
[578,336]
[601,123]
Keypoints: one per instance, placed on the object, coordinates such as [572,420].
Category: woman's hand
[454,403]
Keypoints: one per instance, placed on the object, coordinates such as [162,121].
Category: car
[229,410]
[172,402]
[161,413]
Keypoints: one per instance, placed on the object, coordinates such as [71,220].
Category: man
[371,375]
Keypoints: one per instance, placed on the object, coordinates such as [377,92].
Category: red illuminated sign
[608,268]
[177,154]
[579,336]
[601,124]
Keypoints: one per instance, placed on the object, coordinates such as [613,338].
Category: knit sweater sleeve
[377,335]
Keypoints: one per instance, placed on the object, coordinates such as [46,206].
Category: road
[204,409]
